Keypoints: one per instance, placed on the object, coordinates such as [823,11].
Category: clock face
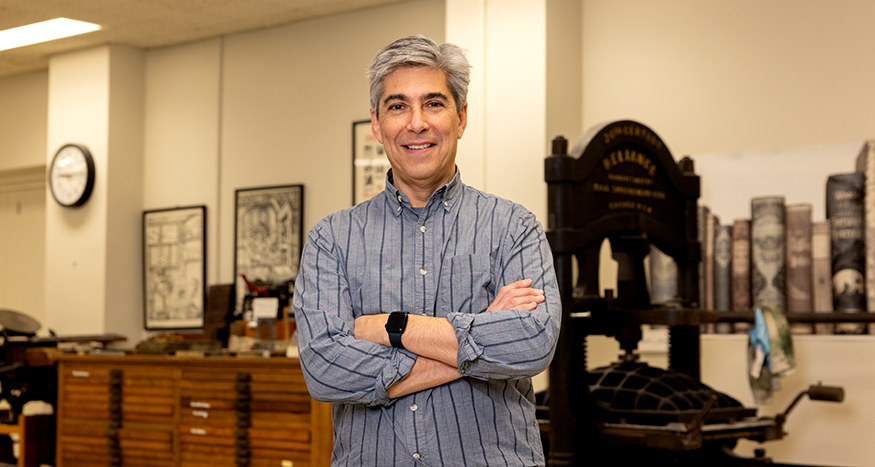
[71,176]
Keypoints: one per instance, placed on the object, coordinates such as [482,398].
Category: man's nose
[418,121]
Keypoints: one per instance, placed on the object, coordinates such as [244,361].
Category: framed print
[174,263]
[369,163]
[268,232]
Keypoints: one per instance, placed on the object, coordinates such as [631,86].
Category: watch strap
[395,339]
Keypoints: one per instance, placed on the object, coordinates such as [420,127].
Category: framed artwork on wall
[174,263]
[369,163]
[268,233]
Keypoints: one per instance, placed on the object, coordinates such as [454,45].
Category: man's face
[419,126]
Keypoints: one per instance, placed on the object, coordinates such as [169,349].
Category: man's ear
[375,127]
[463,120]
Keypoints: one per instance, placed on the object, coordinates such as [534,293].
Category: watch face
[71,176]
[397,322]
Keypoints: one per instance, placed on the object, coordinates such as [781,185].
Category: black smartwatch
[395,327]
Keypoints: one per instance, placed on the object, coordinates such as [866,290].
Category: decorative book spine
[711,221]
[701,221]
[866,165]
[821,273]
[767,265]
[799,263]
[741,270]
[844,208]
[723,273]
[663,277]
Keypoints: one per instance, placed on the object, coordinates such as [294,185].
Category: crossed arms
[433,339]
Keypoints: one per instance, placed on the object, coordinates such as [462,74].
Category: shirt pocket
[466,286]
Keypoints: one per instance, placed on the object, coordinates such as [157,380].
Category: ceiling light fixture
[44,31]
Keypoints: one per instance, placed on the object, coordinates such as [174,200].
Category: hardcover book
[663,277]
[711,221]
[741,270]
[767,243]
[798,219]
[866,165]
[701,221]
[844,209]
[821,274]
[723,273]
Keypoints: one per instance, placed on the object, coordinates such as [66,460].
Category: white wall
[23,114]
[181,147]
[731,75]
[23,127]
[22,241]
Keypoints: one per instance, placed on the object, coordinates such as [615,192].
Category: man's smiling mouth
[418,146]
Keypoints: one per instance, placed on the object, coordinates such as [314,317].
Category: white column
[93,252]
[505,142]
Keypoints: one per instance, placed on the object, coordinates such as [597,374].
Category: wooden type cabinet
[155,411]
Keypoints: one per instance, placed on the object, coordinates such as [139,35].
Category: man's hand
[517,296]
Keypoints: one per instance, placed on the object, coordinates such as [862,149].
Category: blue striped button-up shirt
[448,261]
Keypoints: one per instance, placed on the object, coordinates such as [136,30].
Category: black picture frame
[268,236]
[369,162]
[174,267]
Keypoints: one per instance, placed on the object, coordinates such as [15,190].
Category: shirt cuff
[469,350]
[397,369]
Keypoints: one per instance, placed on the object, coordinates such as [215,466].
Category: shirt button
[400,199]
[422,228]
[416,455]
[423,271]
[446,204]
[413,407]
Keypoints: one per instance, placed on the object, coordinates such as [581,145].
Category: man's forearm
[426,373]
[431,337]
[425,336]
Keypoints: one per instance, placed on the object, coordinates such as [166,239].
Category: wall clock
[71,175]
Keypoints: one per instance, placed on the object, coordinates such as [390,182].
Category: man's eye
[435,104]
[396,106]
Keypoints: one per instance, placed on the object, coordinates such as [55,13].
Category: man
[423,313]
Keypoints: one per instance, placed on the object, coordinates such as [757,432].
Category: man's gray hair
[421,51]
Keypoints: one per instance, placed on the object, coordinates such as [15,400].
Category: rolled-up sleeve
[505,344]
[337,367]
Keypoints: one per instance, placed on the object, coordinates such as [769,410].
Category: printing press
[621,183]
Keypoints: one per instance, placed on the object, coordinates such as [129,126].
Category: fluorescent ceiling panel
[50,30]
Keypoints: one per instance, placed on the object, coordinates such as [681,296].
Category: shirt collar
[446,195]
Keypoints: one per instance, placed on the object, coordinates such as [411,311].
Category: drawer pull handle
[81,374]
[199,405]
[200,413]
[198,431]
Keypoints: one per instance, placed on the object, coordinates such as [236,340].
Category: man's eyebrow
[394,97]
[435,95]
